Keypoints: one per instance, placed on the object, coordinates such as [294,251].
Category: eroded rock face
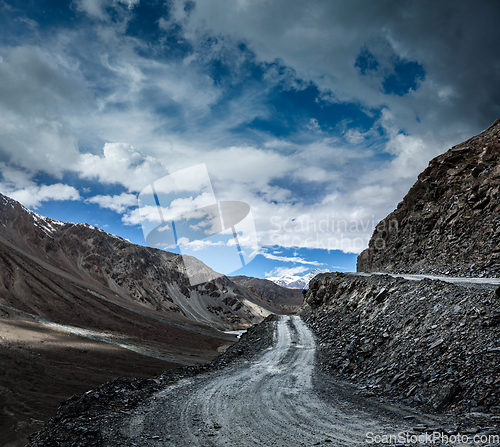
[428,343]
[449,222]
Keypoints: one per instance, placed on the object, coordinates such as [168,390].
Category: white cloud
[199,245]
[142,214]
[35,95]
[121,164]
[314,125]
[97,8]
[93,8]
[354,136]
[33,196]
[295,259]
[119,203]
[189,208]
[285,271]
[19,185]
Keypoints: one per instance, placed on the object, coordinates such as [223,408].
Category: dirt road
[271,401]
[451,279]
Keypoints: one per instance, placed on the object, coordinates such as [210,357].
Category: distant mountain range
[291,281]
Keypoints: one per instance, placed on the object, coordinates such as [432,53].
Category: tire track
[270,401]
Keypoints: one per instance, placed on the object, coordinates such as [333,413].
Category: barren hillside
[449,222]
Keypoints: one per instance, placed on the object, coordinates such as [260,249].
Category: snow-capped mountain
[291,281]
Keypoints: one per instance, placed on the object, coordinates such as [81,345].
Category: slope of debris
[79,420]
[428,343]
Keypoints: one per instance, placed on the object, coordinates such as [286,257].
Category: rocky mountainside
[287,299]
[291,281]
[96,262]
[449,222]
[430,343]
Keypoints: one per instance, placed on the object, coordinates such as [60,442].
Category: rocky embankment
[429,343]
[80,420]
[449,222]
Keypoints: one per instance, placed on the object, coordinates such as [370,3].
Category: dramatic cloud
[351,49]
[317,114]
[35,96]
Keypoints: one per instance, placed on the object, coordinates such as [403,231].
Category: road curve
[268,402]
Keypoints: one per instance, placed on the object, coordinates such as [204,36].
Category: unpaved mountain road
[278,399]
[451,279]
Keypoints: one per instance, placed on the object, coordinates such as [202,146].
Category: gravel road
[273,400]
[451,279]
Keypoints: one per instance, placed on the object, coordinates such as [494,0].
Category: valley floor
[42,365]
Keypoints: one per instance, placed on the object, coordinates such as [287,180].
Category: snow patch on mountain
[48,225]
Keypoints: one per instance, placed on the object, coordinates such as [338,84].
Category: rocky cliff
[449,222]
[427,342]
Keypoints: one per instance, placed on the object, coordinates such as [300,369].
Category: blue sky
[319,115]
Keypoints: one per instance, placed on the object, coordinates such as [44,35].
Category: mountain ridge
[80,307]
[132,273]
[288,300]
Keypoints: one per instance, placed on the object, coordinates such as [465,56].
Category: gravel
[429,344]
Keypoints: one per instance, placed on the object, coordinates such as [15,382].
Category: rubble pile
[428,343]
[79,420]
